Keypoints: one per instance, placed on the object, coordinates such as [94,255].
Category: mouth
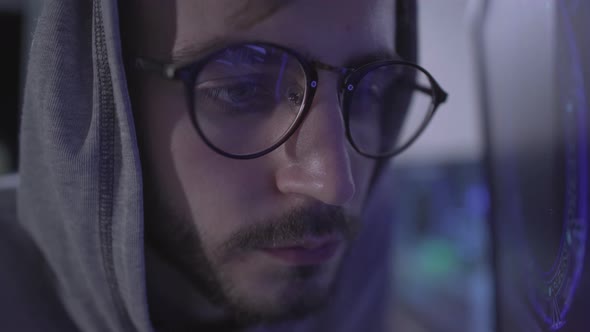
[307,251]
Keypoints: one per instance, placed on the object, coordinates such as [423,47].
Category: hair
[406,35]
[406,22]
[126,27]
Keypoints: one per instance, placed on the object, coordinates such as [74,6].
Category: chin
[305,292]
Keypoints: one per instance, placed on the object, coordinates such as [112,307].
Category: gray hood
[80,193]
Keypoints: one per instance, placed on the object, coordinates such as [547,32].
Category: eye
[370,94]
[295,95]
[238,94]
[375,91]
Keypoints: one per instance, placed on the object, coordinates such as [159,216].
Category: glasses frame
[349,77]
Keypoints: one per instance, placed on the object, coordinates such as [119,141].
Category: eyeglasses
[247,99]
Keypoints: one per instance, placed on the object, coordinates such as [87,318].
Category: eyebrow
[192,52]
[357,60]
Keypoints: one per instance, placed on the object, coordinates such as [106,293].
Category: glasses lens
[389,107]
[247,98]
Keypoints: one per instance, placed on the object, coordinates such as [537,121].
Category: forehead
[351,27]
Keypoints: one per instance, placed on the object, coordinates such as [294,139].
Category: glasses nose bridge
[341,72]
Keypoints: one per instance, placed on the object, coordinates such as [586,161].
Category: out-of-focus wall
[520,43]
[441,263]
[455,132]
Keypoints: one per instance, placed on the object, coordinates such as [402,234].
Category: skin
[197,200]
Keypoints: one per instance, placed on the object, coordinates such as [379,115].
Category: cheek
[214,193]
[362,172]
[214,188]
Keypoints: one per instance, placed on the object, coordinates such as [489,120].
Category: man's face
[264,236]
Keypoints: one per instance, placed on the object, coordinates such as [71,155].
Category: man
[211,165]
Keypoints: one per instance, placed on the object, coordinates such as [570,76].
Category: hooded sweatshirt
[71,222]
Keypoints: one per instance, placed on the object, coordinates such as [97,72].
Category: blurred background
[17,18]
[11,24]
[442,269]
[491,202]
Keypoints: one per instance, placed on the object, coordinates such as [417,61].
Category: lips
[308,251]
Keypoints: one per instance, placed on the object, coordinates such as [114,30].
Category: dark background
[10,64]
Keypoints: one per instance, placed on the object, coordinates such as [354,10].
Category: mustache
[292,226]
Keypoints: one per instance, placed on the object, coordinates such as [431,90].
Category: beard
[178,240]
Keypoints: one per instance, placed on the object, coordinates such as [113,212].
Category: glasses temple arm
[440,95]
[151,66]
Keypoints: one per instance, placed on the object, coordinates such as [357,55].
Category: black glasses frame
[349,77]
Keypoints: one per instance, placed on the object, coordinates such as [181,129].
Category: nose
[318,163]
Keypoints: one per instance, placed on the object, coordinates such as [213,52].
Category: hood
[80,193]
